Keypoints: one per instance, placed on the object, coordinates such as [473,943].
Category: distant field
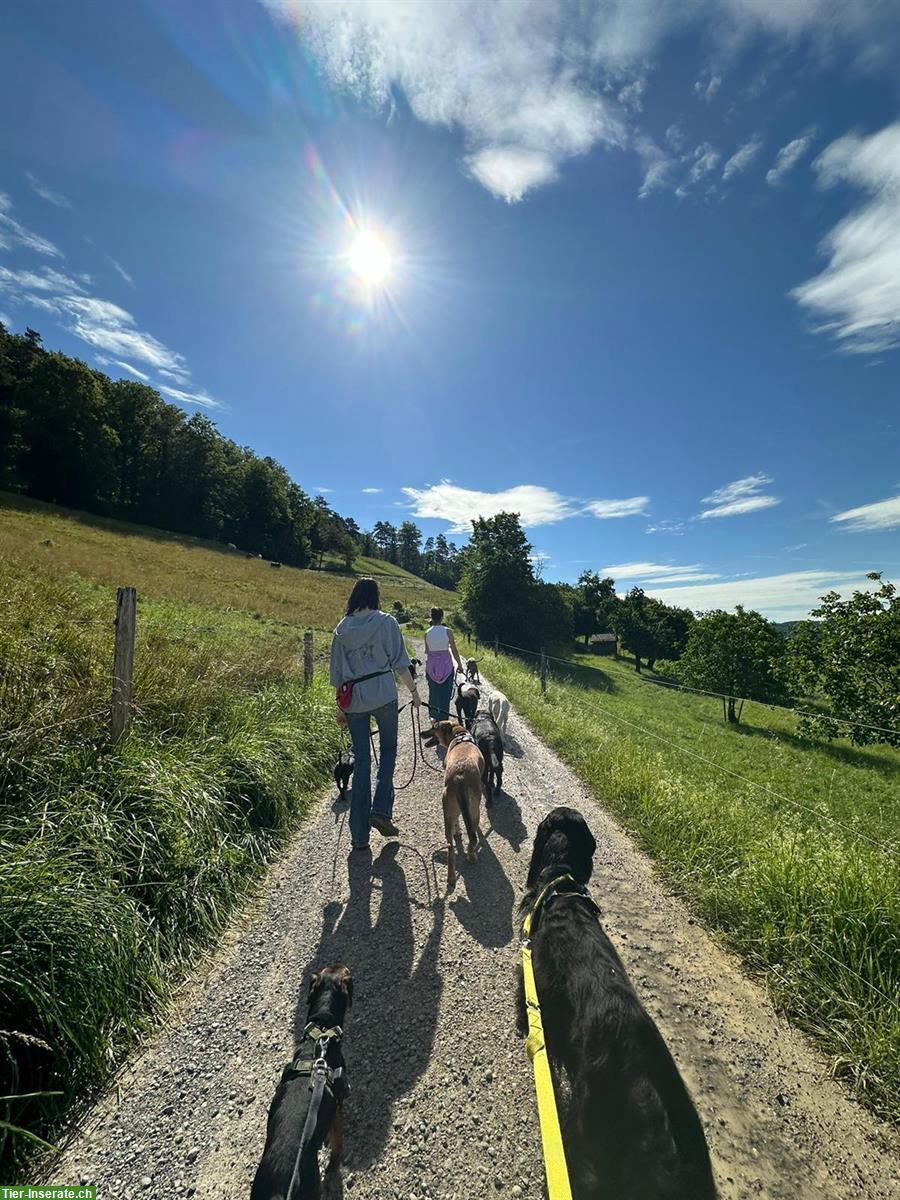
[118,862]
[170,566]
[801,872]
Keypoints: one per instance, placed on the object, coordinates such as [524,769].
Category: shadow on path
[392,1025]
[505,817]
[485,911]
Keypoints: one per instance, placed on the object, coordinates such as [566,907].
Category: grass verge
[118,863]
[788,847]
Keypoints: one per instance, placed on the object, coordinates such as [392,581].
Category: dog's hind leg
[336,1139]
[451,816]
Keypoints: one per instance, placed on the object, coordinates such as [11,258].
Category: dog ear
[537,852]
[313,986]
[347,985]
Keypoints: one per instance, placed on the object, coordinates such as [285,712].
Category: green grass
[166,565]
[118,863]
[802,879]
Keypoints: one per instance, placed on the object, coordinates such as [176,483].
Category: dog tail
[467,819]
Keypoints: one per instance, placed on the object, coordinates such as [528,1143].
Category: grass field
[118,863]
[790,848]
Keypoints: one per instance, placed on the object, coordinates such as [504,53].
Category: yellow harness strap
[551,1135]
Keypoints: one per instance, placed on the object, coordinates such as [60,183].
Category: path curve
[441,1103]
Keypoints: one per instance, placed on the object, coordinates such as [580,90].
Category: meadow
[119,863]
[787,847]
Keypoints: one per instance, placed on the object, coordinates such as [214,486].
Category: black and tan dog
[463,767]
[330,995]
[343,769]
[467,697]
[631,1130]
[489,741]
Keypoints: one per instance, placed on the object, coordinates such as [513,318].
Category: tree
[497,581]
[595,605]
[736,655]
[409,538]
[384,536]
[852,655]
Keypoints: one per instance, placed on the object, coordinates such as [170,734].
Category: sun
[370,258]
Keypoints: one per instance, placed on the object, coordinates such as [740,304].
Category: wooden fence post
[497,643]
[307,658]
[123,662]
[543,671]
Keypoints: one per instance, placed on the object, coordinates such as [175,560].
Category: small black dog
[414,663]
[330,995]
[467,697]
[489,741]
[631,1129]
[343,769]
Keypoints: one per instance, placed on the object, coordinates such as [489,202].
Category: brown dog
[463,766]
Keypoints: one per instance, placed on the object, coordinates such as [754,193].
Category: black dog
[413,664]
[343,769]
[631,1129]
[330,995]
[472,675]
[467,697]
[489,741]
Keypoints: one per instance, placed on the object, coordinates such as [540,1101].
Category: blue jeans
[439,695]
[361,803]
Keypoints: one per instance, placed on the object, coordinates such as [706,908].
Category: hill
[173,566]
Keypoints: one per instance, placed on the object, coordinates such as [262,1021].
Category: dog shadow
[505,817]
[392,1025]
[485,912]
[340,806]
[512,747]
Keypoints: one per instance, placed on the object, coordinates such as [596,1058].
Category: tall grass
[118,863]
[803,879]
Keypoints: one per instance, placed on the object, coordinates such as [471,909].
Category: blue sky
[644,280]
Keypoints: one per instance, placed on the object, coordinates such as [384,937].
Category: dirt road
[441,1103]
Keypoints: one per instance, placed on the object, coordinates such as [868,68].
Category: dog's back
[488,740]
[467,697]
[499,707]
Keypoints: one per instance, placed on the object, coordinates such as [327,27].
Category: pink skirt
[438,665]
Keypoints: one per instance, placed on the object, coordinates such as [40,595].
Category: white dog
[499,706]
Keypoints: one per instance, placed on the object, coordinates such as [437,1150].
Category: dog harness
[322,1078]
[460,739]
[557,1172]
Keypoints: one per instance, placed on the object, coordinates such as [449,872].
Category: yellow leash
[551,1135]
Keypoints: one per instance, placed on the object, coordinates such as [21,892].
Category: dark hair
[437,616]
[364,595]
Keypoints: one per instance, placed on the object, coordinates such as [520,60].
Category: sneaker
[384,825]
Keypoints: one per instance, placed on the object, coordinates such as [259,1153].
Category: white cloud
[667,526]
[201,398]
[741,496]
[632,95]
[510,172]
[788,157]
[12,233]
[858,294]
[5,320]
[605,510]
[706,158]
[784,597]
[447,502]
[120,270]
[869,518]
[44,279]
[535,505]
[743,157]
[372,491]
[658,166]
[707,88]
[45,193]
[123,366]
[652,572]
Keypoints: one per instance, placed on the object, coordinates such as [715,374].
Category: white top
[437,638]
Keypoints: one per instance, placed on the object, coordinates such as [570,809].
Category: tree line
[71,435]
[844,662]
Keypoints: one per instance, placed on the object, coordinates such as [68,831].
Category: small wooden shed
[603,643]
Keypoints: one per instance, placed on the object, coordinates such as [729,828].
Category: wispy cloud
[707,87]
[659,166]
[743,157]
[857,296]
[650,572]
[202,398]
[13,233]
[120,270]
[667,526]
[871,518]
[788,157]
[605,510]
[371,491]
[535,505]
[45,193]
[741,496]
[123,366]
[786,597]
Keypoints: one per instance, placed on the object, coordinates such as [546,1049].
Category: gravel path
[442,1103]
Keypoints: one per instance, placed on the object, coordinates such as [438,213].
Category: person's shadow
[392,1023]
[486,910]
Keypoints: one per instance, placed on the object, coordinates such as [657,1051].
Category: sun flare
[370,258]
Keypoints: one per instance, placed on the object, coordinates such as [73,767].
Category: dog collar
[460,739]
